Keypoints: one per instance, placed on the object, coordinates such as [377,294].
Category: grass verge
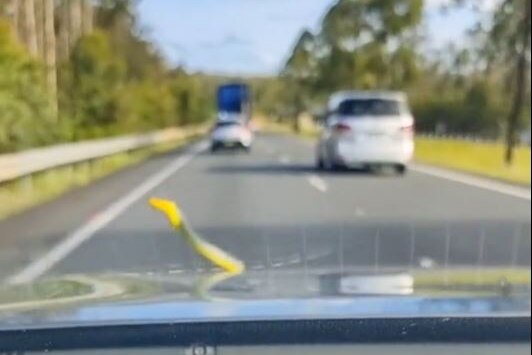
[467,277]
[484,159]
[21,194]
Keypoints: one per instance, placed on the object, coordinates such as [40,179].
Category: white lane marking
[486,184]
[318,183]
[427,263]
[86,231]
[284,159]
[359,212]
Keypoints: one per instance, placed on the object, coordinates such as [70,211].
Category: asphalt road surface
[271,209]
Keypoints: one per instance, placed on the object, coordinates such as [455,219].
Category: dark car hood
[267,294]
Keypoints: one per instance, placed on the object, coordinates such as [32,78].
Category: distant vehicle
[367,130]
[233,128]
[231,134]
[234,102]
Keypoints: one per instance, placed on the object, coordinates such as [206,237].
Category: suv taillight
[410,129]
[341,128]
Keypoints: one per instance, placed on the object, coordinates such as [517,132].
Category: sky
[254,37]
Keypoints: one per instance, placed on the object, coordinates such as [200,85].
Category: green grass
[44,290]
[471,281]
[27,192]
[467,277]
[484,159]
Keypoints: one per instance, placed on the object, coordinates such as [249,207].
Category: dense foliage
[26,117]
[112,82]
[380,44]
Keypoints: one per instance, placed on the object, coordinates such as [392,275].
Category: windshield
[210,161]
[369,107]
[227,124]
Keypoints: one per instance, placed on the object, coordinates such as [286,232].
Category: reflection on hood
[267,294]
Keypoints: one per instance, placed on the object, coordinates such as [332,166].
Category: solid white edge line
[486,184]
[284,159]
[43,264]
[360,212]
[467,179]
[318,183]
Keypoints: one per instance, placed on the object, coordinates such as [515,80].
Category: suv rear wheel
[400,169]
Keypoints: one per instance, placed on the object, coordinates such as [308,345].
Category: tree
[87,17]
[298,74]
[359,37]
[359,21]
[25,115]
[511,33]
[64,44]
[117,19]
[362,44]
[29,27]
[507,46]
[98,82]
[50,50]
[39,26]
[96,75]
[12,10]
[75,20]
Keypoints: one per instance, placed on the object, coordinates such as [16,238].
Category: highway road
[271,209]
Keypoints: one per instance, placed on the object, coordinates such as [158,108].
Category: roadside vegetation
[480,158]
[483,158]
[72,70]
[479,88]
[31,191]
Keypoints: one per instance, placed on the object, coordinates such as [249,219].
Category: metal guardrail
[524,140]
[461,137]
[17,165]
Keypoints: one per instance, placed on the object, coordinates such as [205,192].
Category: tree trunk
[39,26]
[12,11]
[520,89]
[50,50]
[88,17]
[64,28]
[29,27]
[75,21]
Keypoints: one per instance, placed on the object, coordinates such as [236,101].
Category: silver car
[366,130]
[231,134]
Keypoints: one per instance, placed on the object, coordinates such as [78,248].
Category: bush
[144,106]
[475,111]
[91,84]
[26,115]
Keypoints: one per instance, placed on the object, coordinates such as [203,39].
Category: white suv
[367,130]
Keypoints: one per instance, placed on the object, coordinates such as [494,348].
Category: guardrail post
[413,238]
[26,184]
[83,170]
[69,172]
[91,164]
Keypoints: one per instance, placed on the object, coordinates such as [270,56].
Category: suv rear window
[369,107]
[227,124]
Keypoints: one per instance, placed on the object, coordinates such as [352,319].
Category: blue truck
[232,128]
[234,102]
